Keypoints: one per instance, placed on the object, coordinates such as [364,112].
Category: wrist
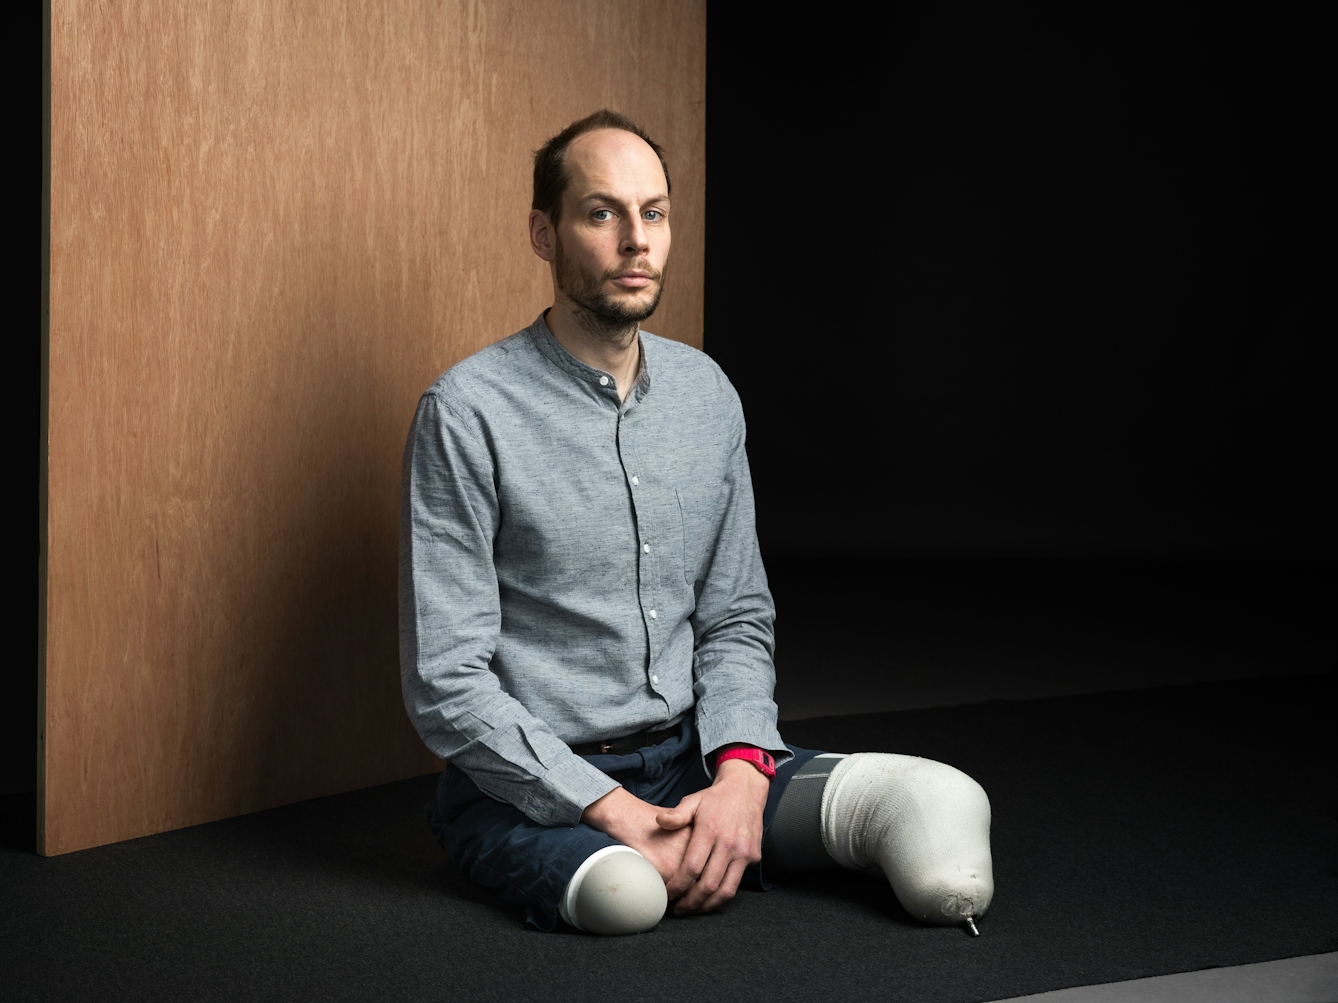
[738,770]
[606,812]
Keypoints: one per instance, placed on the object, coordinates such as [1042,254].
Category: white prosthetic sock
[615,890]
[924,823]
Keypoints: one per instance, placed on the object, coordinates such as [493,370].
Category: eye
[653,215]
[602,215]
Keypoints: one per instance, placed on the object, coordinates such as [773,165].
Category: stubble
[605,315]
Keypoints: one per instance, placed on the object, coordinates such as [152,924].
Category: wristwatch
[760,758]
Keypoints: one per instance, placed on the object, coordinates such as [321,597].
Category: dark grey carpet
[1135,834]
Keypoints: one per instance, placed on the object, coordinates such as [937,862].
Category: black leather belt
[628,743]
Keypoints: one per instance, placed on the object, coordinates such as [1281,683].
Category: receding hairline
[654,154]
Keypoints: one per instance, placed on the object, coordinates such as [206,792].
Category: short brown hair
[550,169]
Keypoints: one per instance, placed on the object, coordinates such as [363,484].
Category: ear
[542,235]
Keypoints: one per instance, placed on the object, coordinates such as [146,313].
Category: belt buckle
[606,747]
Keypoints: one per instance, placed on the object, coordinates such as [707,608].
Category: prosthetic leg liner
[924,823]
[615,890]
[794,839]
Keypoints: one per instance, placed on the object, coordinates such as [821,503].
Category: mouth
[634,278]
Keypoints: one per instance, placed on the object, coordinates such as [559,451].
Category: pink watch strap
[758,757]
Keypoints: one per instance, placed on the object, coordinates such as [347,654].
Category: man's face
[613,238]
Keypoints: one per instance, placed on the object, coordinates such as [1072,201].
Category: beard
[609,315]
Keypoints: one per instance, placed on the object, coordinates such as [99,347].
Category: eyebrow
[606,197]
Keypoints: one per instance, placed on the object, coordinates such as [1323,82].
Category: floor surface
[1312,979]
[1135,834]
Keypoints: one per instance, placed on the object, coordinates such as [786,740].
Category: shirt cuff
[742,728]
[570,786]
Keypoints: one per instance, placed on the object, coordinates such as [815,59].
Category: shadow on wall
[314,582]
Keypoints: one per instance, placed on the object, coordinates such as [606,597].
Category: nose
[635,239]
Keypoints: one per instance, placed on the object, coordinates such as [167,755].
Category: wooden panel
[272,225]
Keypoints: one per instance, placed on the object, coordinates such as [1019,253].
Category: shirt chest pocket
[696,521]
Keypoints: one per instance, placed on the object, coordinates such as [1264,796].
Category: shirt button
[646,547]
[653,614]
[634,480]
[603,381]
[654,678]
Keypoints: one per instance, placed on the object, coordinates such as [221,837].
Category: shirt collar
[588,376]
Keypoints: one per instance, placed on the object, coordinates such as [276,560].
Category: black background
[1001,283]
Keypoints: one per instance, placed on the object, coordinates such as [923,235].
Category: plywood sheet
[272,225]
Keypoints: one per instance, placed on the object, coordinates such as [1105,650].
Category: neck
[613,350]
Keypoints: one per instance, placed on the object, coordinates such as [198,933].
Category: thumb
[676,818]
[673,818]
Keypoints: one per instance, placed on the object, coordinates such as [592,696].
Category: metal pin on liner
[971,926]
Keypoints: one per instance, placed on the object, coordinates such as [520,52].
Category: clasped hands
[702,846]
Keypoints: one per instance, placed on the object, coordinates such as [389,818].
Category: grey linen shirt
[574,569]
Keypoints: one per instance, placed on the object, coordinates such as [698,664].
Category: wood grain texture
[272,225]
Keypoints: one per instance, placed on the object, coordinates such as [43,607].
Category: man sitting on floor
[586,630]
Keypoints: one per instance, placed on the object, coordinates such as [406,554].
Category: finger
[717,866]
[694,862]
[729,886]
[689,871]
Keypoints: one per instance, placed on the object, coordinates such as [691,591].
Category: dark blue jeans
[529,864]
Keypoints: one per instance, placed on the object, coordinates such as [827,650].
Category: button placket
[646,578]
[647,558]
